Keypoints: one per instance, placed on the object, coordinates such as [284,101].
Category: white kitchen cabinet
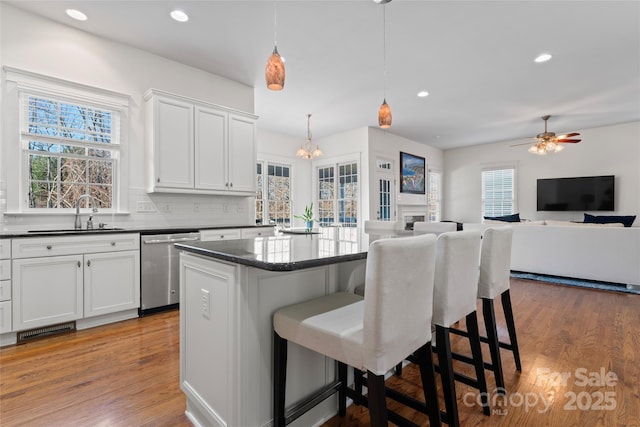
[220,234]
[198,148]
[111,282]
[65,278]
[5,286]
[248,233]
[171,133]
[47,291]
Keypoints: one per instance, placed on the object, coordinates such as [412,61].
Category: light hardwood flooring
[127,374]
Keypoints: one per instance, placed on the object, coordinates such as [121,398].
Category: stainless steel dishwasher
[160,271]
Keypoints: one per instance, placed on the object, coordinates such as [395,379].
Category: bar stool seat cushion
[330,325]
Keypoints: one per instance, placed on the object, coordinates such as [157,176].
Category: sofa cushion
[505,218]
[627,220]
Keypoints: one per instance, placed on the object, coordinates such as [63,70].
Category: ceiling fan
[548,142]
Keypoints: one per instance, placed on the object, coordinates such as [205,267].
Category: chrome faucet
[78,223]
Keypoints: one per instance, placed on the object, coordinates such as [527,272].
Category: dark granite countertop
[39,232]
[286,252]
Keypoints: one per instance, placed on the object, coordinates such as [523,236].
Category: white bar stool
[371,334]
[455,290]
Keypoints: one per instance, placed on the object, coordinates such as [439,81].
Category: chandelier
[308,150]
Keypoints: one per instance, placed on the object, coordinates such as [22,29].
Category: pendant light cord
[275,23]
[384,48]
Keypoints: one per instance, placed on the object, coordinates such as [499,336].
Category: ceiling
[475,58]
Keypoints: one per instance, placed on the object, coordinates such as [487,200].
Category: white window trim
[498,166]
[265,160]
[16,82]
[440,190]
[334,161]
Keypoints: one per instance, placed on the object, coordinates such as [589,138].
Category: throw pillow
[505,218]
[627,220]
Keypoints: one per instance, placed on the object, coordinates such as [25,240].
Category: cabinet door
[46,291]
[242,154]
[111,282]
[210,149]
[173,143]
[5,317]
[220,234]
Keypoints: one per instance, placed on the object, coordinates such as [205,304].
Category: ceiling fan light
[551,146]
[384,115]
[274,72]
[559,147]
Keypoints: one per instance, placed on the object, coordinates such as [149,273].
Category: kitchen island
[229,291]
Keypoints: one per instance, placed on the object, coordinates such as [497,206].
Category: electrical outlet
[196,207]
[144,206]
[225,208]
[205,304]
[240,209]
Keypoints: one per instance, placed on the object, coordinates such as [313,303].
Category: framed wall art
[412,174]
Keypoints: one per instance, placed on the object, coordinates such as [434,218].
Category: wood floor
[127,374]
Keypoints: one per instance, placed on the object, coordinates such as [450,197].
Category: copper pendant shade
[384,115]
[274,72]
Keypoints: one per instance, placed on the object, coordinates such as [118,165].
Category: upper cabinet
[197,147]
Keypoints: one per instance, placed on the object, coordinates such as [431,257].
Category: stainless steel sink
[76,230]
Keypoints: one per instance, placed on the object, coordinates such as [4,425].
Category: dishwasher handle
[175,240]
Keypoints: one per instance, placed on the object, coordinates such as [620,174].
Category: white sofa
[603,253]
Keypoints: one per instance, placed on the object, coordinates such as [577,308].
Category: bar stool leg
[488,312]
[445,361]
[342,391]
[279,379]
[476,351]
[428,377]
[511,327]
[377,400]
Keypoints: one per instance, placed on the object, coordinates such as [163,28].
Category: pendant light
[307,150]
[384,113]
[274,71]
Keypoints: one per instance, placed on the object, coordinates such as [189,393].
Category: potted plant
[307,217]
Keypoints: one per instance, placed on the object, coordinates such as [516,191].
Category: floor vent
[37,333]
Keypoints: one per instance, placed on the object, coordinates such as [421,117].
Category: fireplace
[409,215]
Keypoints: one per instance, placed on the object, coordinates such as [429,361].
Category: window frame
[18,82]
[265,163]
[514,198]
[437,200]
[335,163]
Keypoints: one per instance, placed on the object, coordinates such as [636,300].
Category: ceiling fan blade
[522,143]
[568,135]
[574,141]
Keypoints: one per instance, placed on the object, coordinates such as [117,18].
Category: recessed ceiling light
[543,58]
[76,14]
[423,94]
[179,15]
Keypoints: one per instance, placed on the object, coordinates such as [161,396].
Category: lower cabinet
[47,291]
[111,282]
[85,277]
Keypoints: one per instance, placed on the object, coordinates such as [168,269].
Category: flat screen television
[588,193]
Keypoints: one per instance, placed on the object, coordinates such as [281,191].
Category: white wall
[385,144]
[34,44]
[610,150]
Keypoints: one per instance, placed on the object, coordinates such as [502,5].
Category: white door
[173,140]
[112,282]
[210,148]
[385,191]
[242,154]
[47,291]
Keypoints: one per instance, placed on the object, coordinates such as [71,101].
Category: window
[435,196]
[498,191]
[70,149]
[338,198]
[277,188]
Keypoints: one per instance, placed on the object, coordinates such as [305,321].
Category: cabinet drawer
[5,248]
[69,245]
[5,269]
[5,317]
[226,234]
[248,233]
[5,290]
